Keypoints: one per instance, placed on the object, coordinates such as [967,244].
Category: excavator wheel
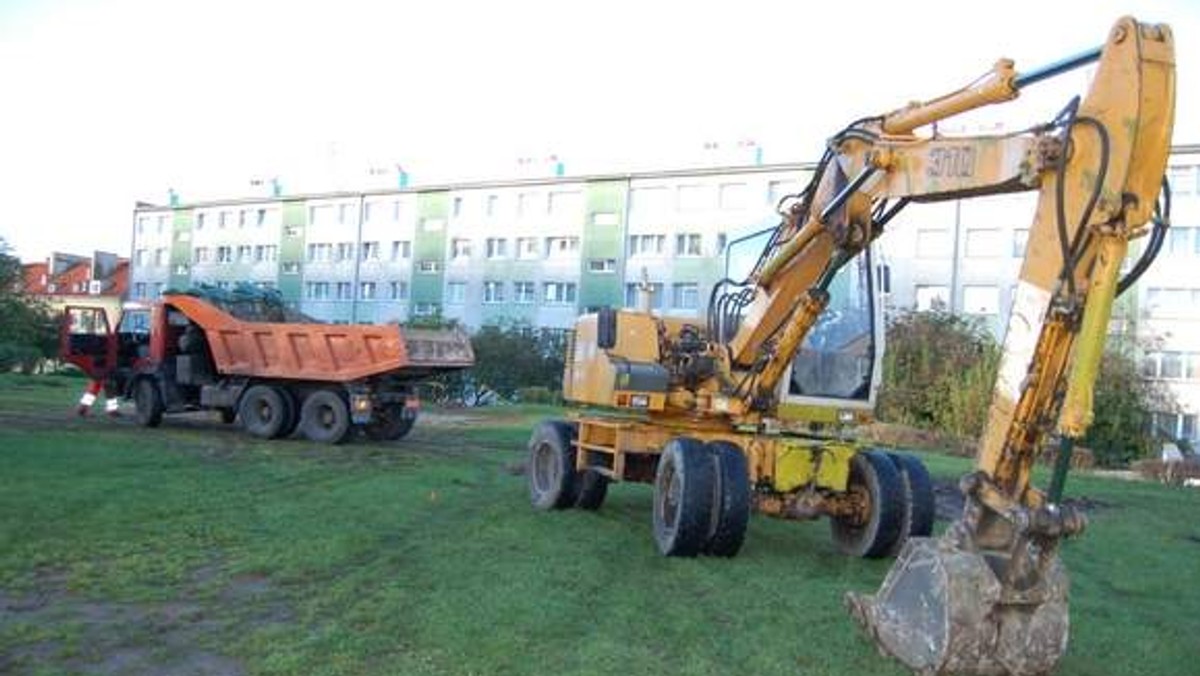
[876,483]
[551,472]
[593,488]
[731,512]
[683,497]
[919,503]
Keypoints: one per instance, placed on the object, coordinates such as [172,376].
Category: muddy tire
[263,411]
[550,470]
[919,501]
[593,488]
[683,497]
[148,403]
[876,480]
[389,423]
[325,417]
[731,496]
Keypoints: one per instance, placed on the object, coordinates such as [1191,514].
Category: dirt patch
[949,501]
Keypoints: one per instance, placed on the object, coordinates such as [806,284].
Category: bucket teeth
[942,610]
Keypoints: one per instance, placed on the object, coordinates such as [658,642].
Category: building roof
[71,275]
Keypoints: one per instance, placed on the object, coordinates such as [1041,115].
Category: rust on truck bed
[321,352]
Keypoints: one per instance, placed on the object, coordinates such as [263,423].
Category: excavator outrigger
[752,409]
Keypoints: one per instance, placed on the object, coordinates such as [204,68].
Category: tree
[1123,402]
[28,332]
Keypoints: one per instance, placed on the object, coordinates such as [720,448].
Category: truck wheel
[551,466]
[227,415]
[292,409]
[263,411]
[593,488]
[731,510]
[325,417]
[148,403]
[875,482]
[683,497]
[919,503]
[389,423]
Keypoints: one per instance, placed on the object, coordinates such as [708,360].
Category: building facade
[541,251]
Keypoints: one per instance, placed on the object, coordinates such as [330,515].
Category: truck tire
[293,413]
[551,467]
[731,510]
[263,411]
[227,415]
[593,488]
[148,403]
[389,423]
[877,481]
[919,502]
[683,497]
[325,417]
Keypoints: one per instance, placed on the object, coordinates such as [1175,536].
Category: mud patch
[949,501]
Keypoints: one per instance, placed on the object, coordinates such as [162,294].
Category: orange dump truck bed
[322,352]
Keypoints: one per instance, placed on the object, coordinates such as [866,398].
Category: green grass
[191,547]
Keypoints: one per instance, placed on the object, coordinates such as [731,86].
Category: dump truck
[256,362]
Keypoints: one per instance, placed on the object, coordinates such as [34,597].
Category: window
[460,248]
[649,201]
[1188,430]
[777,190]
[345,215]
[345,251]
[245,253]
[722,241]
[646,245]
[497,247]
[530,204]
[291,231]
[933,243]
[140,257]
[266,253]
[200,220]
[983,242]
[685,296]
[1183,180]
[602,265]
[141,224]
[527,247]
[656,295]
[605,218]
[687,244]
[732,196]
[492,206]
[426,309]
[160,257]
[558,292]
[320,215]
[456,207]
[370,251]
[430,266]
[1192,372]
[456,292]
[320,252]
[396,211]
[224,219]
[344,291]
[202,254]
[1171,365]
[1166,302]
[561,246]
[695,197]
[401,249]
[290,268]
[1179,241]
[565,204]
[160,224]
[1020,242]
[398,290]
[932,298]
[244,216]
[366,290]
[981,300]
[493,292]
[139,290]
[158,289]
[523,292]
[316,290]
[260,218]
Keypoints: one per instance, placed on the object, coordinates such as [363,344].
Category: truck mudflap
[942,610]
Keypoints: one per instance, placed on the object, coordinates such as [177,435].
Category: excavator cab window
[837,358]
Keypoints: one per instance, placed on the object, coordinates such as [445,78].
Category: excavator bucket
[943,610]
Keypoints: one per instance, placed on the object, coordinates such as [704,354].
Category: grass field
[191,549]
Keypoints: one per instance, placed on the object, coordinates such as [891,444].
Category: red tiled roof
[74,280]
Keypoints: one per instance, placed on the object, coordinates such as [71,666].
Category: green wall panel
[181,250]
[292,229]
[605,239]
[429,244]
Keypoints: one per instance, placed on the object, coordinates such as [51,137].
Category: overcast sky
[110,101]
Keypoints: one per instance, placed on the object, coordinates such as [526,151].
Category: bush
[537,395]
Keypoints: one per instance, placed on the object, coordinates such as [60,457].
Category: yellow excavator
[753,407]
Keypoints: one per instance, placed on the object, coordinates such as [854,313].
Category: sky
[107,102]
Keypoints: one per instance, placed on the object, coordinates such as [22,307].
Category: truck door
[87,341]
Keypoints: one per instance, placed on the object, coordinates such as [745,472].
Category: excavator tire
[593,488]
[875,477]
[263,411]
[553,481]
[732,495]
[325,417]
[148,403]
[919,503]
[683,497]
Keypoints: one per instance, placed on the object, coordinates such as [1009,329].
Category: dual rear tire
[896,502]
[553,481]
[701,498]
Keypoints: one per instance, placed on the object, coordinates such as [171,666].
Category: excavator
[753,407]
